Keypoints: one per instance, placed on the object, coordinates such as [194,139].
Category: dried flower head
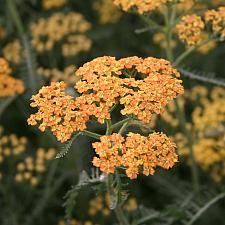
[190,29]
[139,5]
[136,153]
[217,19]
[8,85]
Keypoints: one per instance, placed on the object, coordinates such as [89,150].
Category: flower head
[139,5]
[136,153]
[217,20]
[8,85]
[190,29]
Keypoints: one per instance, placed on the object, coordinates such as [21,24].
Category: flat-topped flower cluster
[136,153]
[142,86]
[9,85]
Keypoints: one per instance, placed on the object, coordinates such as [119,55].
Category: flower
[13,52]
[190,29]
[142,86]
[67,75]
[217,20]
[139,5]
[136,153]
[107,11]
[49,4]
[8,85]
[47,32]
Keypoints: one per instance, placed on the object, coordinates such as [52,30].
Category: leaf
[71,195]
[66,148]
[202,76]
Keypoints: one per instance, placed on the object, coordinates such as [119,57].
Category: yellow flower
[12,52]
[49,4]
[139,5]
[107,11]
[190,29]
[217,20]
[47,32]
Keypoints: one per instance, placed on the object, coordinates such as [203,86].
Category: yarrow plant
[138,87]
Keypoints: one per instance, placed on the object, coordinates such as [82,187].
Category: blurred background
[46,40]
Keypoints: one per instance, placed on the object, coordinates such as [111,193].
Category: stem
[120,123]
[91,134]
[123,128]
[188,52]
[118,210]
[21,31]
[109,128]
[169,21]
[194,168]
[205,207]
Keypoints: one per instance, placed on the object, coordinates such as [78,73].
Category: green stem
[109,128]
[194,168]
[205,207]
[118,210]
[188,52]
[120,123]
[91,134]
[169,21]
[21,31]
[123,128]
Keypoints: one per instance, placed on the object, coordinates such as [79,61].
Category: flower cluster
[11,145]
[8,85]
[47,32]
[136,153]
[190,29]
[49,4]
[67,75]
[29,169]
[98,205]
[12,52]
[107,11]
[75,44]
[208,130]
[139,5]
[217,19]
[142,86]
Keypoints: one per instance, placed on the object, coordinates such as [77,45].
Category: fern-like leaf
[202,76]
[71,195]
[65,149]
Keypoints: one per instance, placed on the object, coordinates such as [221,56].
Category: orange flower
[8,85]
[136,153]
[142,86]
[140,5]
